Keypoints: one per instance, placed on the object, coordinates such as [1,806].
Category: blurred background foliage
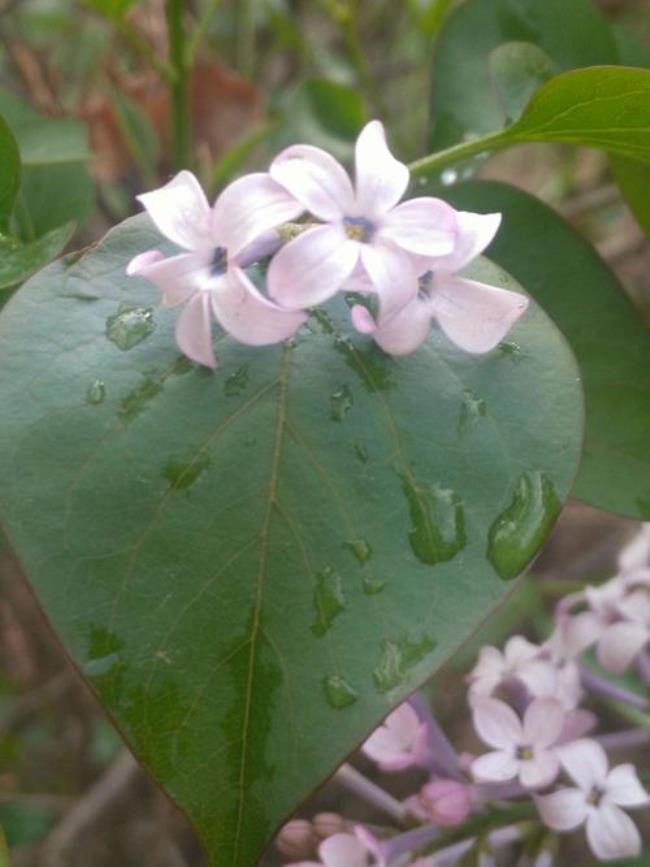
[85,89]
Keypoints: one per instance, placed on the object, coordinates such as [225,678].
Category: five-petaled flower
[524,749]
[365,231]
[596,801]
[208,278]
[401,741]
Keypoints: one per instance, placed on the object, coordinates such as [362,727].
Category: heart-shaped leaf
[253,566]
[612,345]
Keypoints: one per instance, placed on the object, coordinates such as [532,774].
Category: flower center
[425,285]
[525,754]
[219,262]
[359,229]
[595,795]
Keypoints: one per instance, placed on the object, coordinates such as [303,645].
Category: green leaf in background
[464,103]
[633,179]
[55,185]
[612,345]
[113,9]
[19,261]
[252,566]
[606,107]
[9,174]
[517,70]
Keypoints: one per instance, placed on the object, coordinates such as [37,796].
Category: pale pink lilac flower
[400,742]
[340,850]
[636,554]
[443,802]
[522,748]
[596,801]
[520,660]
[207,279]
[364,228]
[473,315]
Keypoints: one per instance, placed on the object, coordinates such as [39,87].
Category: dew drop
[396,658]
[98,667]
[340,403]
[338,691]
[136,401]
[372,586]
[96,392]
[360,548]
[472,409]
[237,382]
[519,530]
[511,350]
[130,325]
[448,177]
[361,452]
[182,474]
[329,600]
[438,519]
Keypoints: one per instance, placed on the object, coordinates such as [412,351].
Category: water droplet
[448,177]
[361,452]
[96,392]
[372,586]
[360,548]
[472,409]
[438,531]
[340,403]
[396,658]
[237,382]
[97,667]
[329,600]
[511,350]
[338,691]
[136,400]
[370,363]
[130,325]
[182,474]
[519,530]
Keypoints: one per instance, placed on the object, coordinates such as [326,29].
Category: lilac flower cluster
[545,758]
[357,238]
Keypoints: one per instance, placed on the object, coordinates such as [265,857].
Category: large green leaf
[465,102]
[633,179]
[19,261]
[9,174]
[252,566]
[611,343]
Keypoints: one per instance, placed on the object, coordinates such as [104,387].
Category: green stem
[433,162]
[141,47]
[179,83]
[200,29]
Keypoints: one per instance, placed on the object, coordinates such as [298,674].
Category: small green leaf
[612,345]
[517,70]
[19,261]
[9,174]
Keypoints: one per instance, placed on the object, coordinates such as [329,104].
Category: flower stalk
[178,83]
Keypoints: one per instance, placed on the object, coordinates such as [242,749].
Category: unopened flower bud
[446,802]
[327,824]
[297,839]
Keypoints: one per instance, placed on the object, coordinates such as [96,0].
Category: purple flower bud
[446,802]
[297,839]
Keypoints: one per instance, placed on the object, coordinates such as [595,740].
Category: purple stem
[601,686]
[444,760]
[403,843]
[371,793]
[499,791]
[624,739]
[261,248]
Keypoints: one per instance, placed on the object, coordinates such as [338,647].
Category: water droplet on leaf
[130,325]
[519,530]
[360,548]
[438,519]
[329,600]
[396,658]
[372,586]
[472,409]
[96,392]
[361,452]
[340,403]
[338,691]
[182,474]
[511,350]
[237,382]
[137,400]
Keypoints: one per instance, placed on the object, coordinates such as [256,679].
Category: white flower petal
[249,316]
[576,634]
[612,834]
[250,206]
[177,277]
[343,850]
[402,333]
[495,767]
[139,263]
[636,554]
[543,722]
[586,763]
[194,330]
[180,211]
[381,180]
[563,810]
[620,643]
[312,267]
[539,771]
[475,232]
[577,724]
[496,723]
[391,273]
[475,316]
[624,788]
[424,226]
[316,180]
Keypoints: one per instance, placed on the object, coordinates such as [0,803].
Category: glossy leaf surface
[612,345]
[253,566]
[19,261]
[464,100]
